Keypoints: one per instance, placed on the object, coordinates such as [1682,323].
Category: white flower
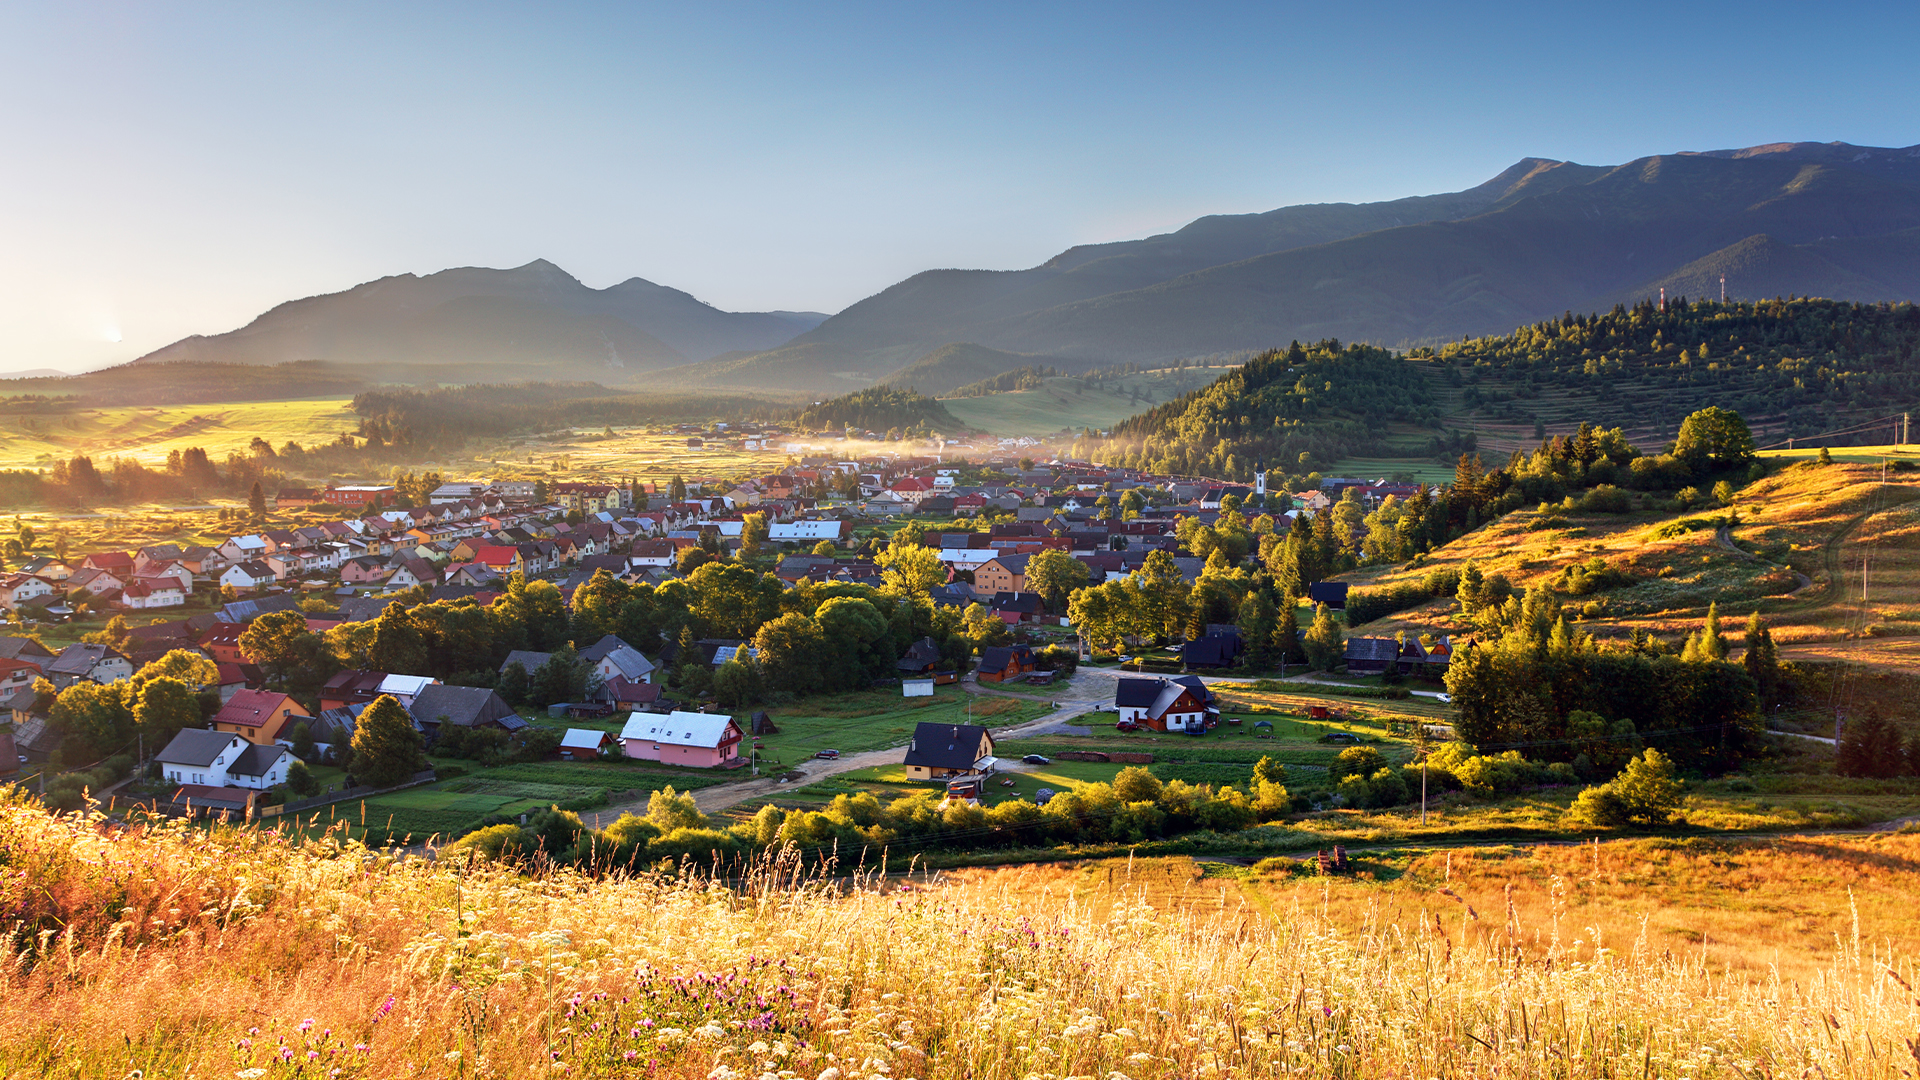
[830,1074]
[711,1031]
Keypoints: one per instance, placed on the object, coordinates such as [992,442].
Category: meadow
[147,433]
[163,950]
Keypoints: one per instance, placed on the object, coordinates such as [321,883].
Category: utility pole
[1422,724]
[1723,288]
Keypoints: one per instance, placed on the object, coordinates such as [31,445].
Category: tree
[691,559]
[304,746]
[1870,747]
[189,667]
[1286,635]
[677,489]
[1056,575]
[1762,661]
[94,721]
[280,642]
[1163,595]
[1714,438]
[1325,645]
[257,501]
[753,533]
[1135,784]
[737,682]
[1710,645]
[792,653]
[386,748]
[114,635]
[1269,771]
[514,684]
[911,569]
[1645,794]
[1258,623]
[826,549]
[162,707]
[300,780]
[1355,761]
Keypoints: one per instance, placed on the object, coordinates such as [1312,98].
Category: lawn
[451,807]
[877,719]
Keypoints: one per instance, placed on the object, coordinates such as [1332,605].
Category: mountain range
[1542,237]
[533,321]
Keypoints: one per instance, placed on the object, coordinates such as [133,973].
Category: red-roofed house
[258,716]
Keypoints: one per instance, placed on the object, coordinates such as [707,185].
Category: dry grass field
[235,952]
[147,434]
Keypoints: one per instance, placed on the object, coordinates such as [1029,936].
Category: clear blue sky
[172,169]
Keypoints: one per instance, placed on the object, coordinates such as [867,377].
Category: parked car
[1037,759]
[1341,737]
[828,754]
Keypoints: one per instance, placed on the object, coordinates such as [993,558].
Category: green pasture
[878,719]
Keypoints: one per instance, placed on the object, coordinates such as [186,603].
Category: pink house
[697,740]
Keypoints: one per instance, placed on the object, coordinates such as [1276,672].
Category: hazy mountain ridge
[1540,238]
[536,314]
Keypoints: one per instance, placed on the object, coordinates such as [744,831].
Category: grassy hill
[297,957]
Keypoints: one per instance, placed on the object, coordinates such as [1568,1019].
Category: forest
[883,409]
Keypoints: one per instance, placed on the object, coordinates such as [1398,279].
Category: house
[179,572]
[612,657]
[360,495]
[289,497]
[364,570]
[941,751]
[414,572]
[247,575]
[1015,608]
[698,740]
[234,678]
[147,593]
[629,696]
[259,716]
[350,688]
[17,589]
[462,706]
[1214,650]
[1182,703]
[94,581]
[810,532]
[529,660]
[117,563]
[1000,663]
[1370,656]
[217,759]
[920,657]
[1331,593]
[1002,573]
[405,688]
[45,566]
[90,663]
[584,744]
[26,649]
[239,549]
[16,675]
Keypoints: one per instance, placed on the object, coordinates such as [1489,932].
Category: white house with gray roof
[223,759]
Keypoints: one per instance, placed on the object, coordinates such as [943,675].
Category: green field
[877,719]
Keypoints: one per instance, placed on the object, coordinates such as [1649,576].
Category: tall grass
[172,950]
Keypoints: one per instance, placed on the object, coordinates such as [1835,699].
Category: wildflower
[306,1025]
[830,1074]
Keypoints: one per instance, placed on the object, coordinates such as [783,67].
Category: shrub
[1606,499]
[1388,788]
[1355,761]
[1645,794]
[300,780]
[1354,791]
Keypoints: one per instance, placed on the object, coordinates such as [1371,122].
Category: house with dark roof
[941,751]
[84,662]
[1331,593]
[223,759]
[529,660]
[350,688]
[1002,662]
[612,658]
[462,706]
[1215,650]
[1015,608]
[1370,656]
[1180,704]
[20,648]
[920,657]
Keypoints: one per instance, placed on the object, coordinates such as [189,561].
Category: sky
[172,169]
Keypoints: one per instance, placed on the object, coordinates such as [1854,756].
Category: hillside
[323,959]
[1801,369]
[1541,238]
[951,367]
[533,321]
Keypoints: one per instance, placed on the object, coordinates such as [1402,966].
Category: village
[265,744]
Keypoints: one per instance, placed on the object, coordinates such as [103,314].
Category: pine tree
[1762,662]
[1324,643]
[1713,644]
[1286,636]
[1258,622]
[257,501]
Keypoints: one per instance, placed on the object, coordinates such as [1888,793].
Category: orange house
[259,716]
[1002,573]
